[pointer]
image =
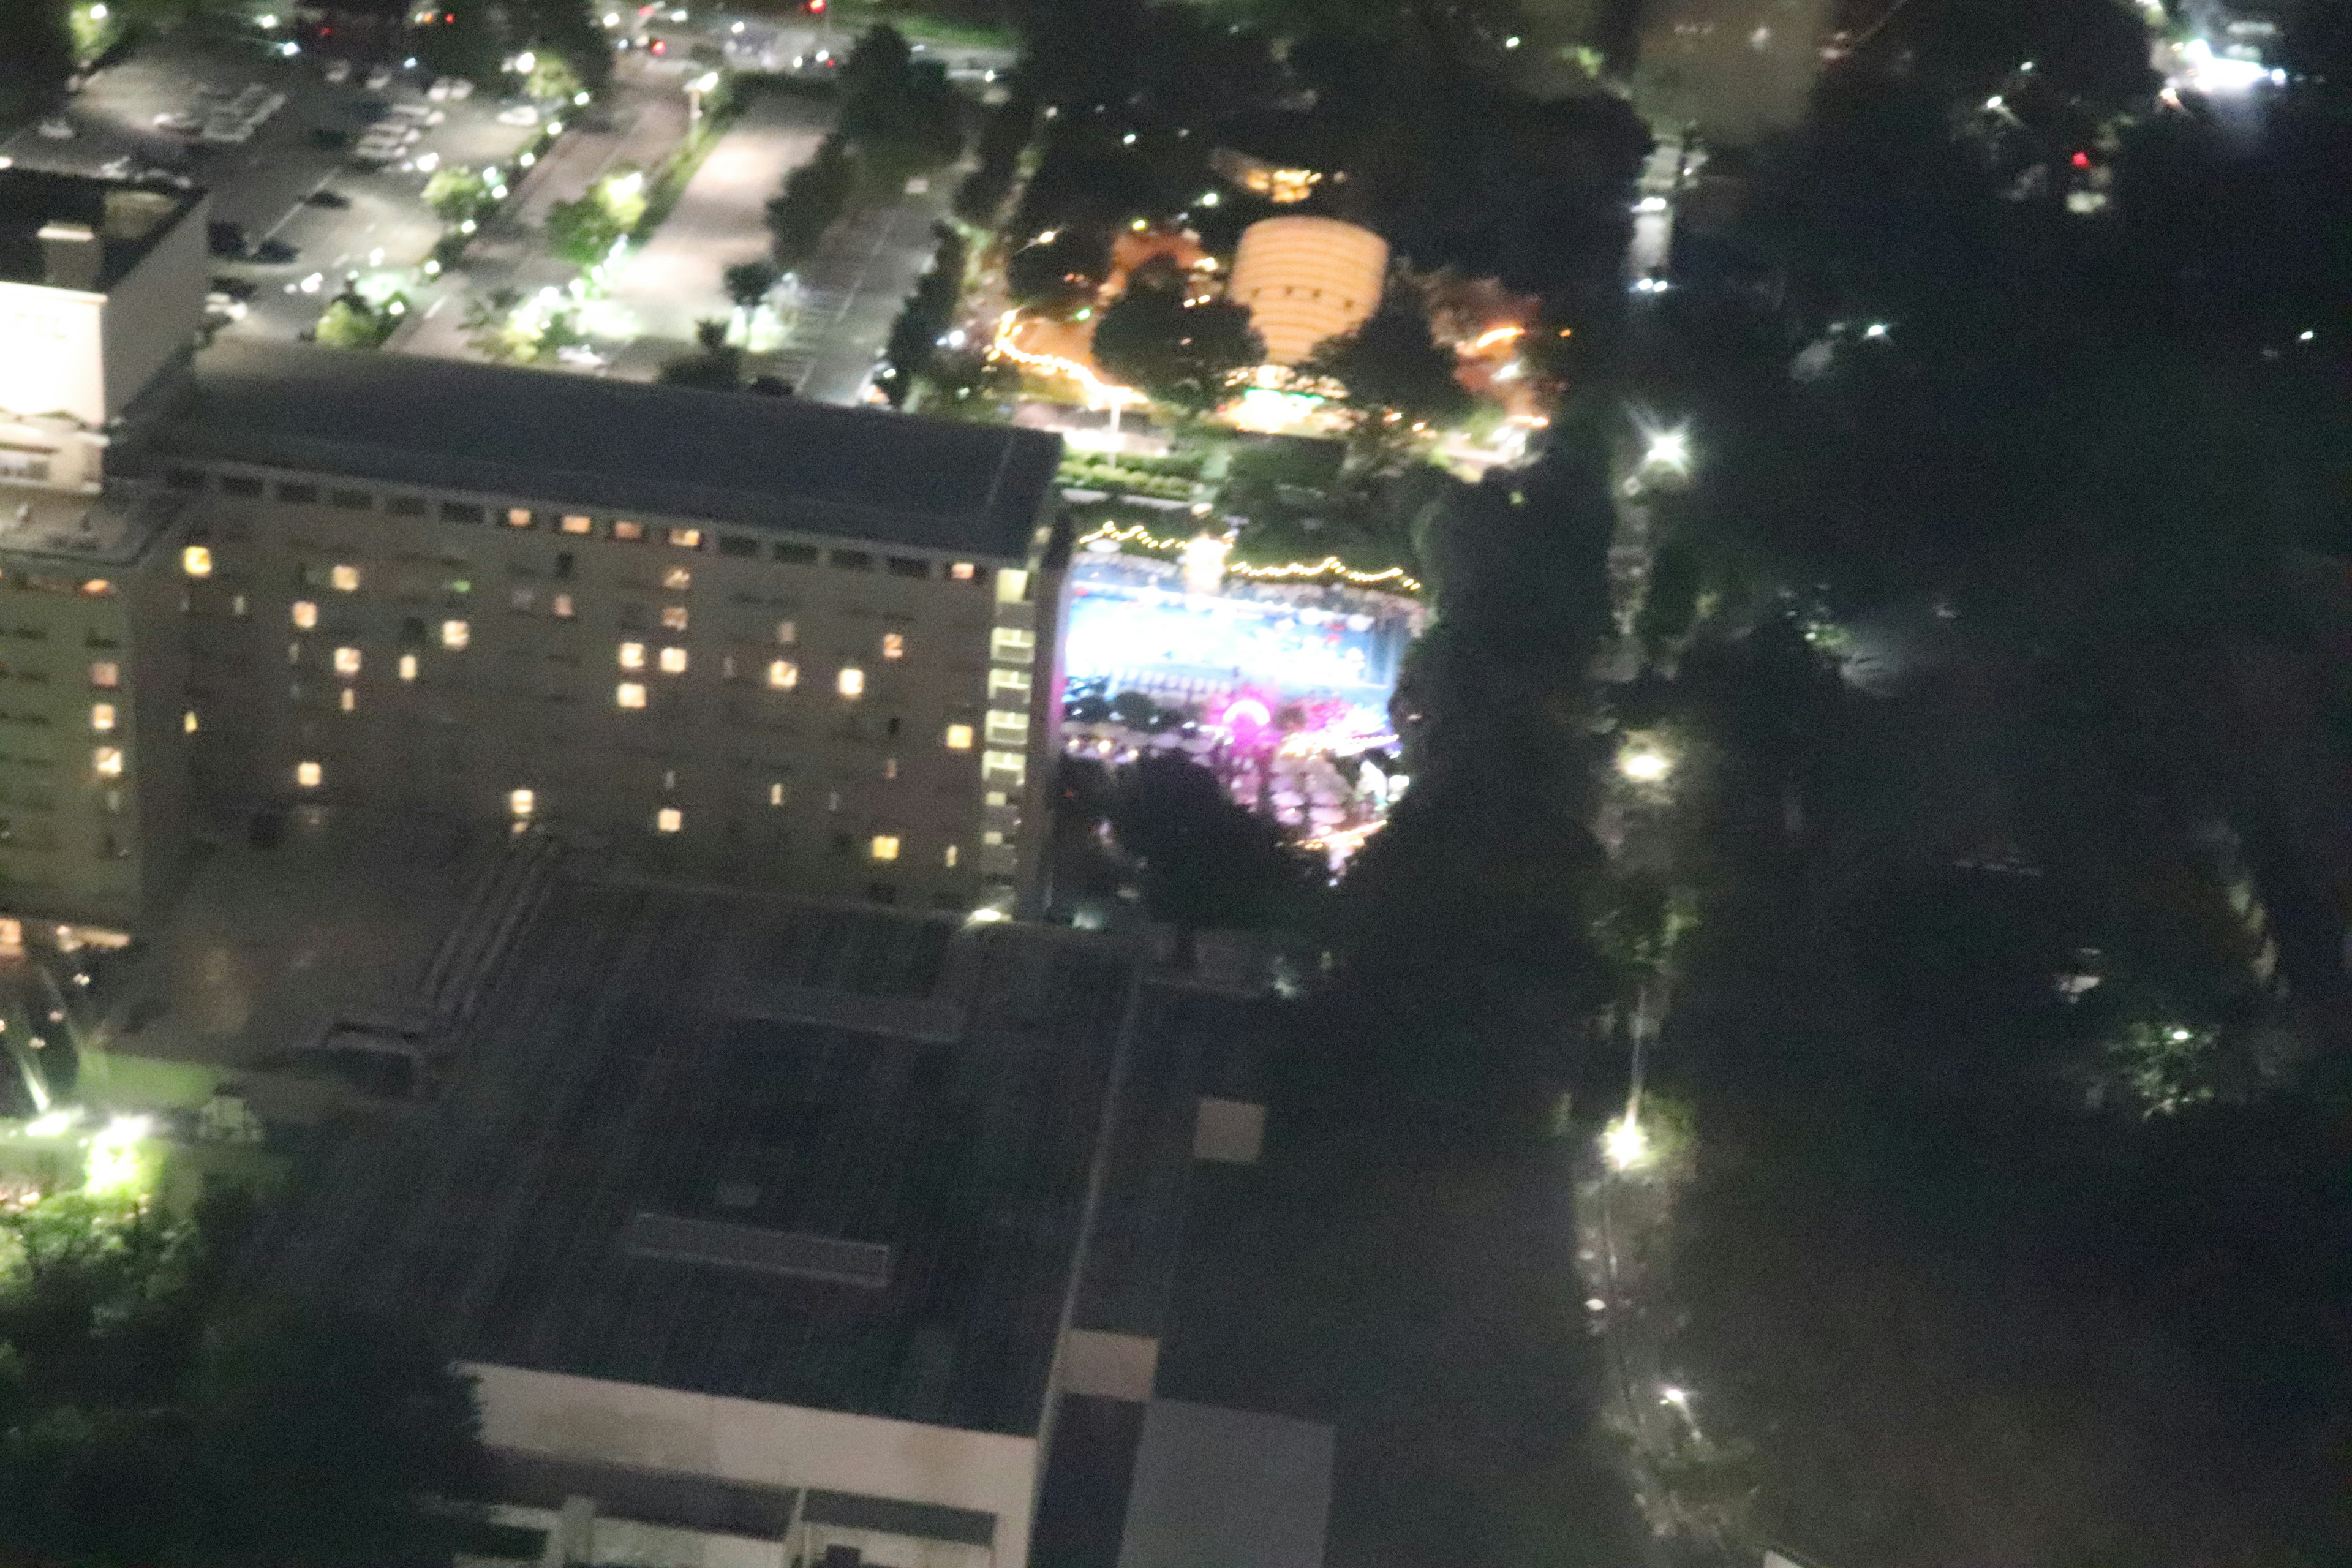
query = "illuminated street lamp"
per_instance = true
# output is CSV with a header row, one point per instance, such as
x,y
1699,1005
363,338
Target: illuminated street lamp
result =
x,y
1644,764
1625,1144
1668,450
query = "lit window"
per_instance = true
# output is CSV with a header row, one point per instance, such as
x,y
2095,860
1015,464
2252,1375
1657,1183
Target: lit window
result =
x,y
575,523
629,694
560,608
107,760
1013,767
518,517
237,605
294,651
632,656
408,666
629,531
851,681
454,636
348,700
679,579
959,737
520,803
775,794
949,858
98,587
1007,729
784,674
996,797
885,847
787,633
963,571
197,560
308,774
102,718
1014,683
673,661
1012,644
344,579
105,674
669,819
1012,586
306,615
188,721
686,538
347,661
894,644
674,617
890,768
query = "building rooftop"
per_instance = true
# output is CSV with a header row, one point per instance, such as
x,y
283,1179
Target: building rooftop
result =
x,y
624,446
689,1141
110,529
70,231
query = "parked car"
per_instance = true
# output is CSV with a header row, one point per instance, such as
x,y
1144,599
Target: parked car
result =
x,y
379,78
521,114
224,238
334,201
56,129
338,72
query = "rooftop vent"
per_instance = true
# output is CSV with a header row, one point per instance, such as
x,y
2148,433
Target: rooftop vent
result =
x,y
788,1254
70,255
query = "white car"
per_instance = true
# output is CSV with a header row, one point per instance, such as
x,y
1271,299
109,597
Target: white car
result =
x,y
379,78
228,309
521,114
339,70
57,129
460,90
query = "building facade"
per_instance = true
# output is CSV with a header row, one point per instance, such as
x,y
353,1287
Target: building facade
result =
x,y
724,636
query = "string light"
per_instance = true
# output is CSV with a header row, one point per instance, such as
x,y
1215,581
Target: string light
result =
x,y
1329,566
1099,390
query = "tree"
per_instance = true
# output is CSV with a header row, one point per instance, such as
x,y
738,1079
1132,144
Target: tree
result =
x,y
1397,375
715,366
457,192
1005,135
1190,356
1206,861
815,196
1058,273
573,50
353,322
132,1431
902,118
915,335
748,282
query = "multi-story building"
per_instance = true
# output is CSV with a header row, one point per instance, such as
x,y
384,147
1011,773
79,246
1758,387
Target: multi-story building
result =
x,y
726,635
101,285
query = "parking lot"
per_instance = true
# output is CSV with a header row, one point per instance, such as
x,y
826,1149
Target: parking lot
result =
x,y
295,179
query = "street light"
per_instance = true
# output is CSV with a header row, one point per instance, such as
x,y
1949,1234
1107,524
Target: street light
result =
x,y
1644,764
1668,450
1625,1143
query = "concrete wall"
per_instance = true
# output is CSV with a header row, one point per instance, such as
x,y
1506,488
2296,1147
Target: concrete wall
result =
x,y
153,313
766,1445
51,361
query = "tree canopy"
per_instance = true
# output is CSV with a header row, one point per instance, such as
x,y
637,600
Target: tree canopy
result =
x,y
1190,356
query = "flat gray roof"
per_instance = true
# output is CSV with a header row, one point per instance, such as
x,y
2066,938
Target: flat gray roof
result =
x,y
607,1074
125,219
617,447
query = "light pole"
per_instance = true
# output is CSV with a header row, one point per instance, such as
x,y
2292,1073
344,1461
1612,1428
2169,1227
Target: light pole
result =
x,y
706,82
